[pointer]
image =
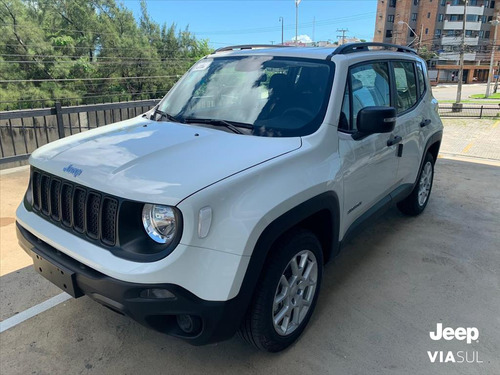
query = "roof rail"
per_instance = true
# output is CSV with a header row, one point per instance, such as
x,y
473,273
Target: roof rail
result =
x,y
363,47
248,46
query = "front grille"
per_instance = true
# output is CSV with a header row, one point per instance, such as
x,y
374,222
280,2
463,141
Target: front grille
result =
x,y
87,212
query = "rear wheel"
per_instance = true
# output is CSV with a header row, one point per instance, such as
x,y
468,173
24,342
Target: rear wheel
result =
x,y
286,293
416,202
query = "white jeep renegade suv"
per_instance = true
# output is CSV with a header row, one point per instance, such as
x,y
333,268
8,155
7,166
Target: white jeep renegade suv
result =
x,y
216,211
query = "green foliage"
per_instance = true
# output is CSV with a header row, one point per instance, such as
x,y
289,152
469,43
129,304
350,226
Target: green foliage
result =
x,y
94,45
424,53
482,96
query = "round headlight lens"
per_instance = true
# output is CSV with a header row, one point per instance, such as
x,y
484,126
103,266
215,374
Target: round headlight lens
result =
x,y
159,222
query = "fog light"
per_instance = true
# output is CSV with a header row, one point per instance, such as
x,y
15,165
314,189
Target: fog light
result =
x,y
157,294
189,323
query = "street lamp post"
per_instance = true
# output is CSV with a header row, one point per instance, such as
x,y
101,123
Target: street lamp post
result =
x,y
282,29
413,31
493,48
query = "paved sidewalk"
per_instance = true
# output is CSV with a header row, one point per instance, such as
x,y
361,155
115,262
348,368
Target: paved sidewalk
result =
x,y
471,138
449,92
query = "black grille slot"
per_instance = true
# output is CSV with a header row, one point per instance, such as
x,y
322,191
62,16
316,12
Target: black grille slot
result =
x,y
45,194
90,213
55,194
109,214
93,208
66,204
37,181
79,210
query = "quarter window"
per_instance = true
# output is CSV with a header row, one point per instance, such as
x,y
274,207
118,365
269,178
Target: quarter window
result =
x,y
406,85
421,80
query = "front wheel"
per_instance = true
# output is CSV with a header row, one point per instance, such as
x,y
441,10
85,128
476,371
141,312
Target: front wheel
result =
x,y
416,202
286,294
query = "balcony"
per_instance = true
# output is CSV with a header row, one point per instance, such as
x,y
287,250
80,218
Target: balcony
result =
x,y
456,40
459,9
455,56
458,25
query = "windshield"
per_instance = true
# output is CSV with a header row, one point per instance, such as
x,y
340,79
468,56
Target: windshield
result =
x,y
265,96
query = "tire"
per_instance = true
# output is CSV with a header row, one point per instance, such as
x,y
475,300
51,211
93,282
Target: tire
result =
x,y
259,327
416,202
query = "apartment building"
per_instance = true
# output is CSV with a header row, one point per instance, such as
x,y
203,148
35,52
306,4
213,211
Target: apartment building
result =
x,y
438,26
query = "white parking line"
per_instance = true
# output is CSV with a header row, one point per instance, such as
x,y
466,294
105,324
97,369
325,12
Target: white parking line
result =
x,y
33,311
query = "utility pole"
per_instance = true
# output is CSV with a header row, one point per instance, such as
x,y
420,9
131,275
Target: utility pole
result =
x,y
314,27
343,31
282,29
297,2
493,49
421,37
272,42
457,106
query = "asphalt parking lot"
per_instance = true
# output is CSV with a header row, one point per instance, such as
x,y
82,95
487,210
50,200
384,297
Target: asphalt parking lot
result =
x,y
380,298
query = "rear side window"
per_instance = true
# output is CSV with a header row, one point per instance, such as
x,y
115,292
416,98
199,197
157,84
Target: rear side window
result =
x,y
421,80
406,85
369,86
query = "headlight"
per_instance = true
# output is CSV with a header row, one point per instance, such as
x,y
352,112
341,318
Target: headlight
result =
x,y
159,222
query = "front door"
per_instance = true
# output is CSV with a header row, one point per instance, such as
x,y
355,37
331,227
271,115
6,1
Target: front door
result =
x,y
369,164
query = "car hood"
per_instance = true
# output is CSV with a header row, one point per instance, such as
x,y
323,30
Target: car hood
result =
x,y
157,162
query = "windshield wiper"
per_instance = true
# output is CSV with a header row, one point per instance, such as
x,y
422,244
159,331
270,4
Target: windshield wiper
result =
x,y
168,116
231,125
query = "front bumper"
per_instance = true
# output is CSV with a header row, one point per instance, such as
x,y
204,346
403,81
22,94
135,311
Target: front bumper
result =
x,y
217,320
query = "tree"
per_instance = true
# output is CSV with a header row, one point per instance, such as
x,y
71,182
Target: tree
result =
x,y
424,53
95,43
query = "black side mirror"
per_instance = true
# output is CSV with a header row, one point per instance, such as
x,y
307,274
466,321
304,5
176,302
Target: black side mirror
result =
x,y
373,120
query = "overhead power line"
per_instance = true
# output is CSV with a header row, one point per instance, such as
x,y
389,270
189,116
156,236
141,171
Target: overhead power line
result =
x,y
162,93
325,22
83,79
98,57
159,62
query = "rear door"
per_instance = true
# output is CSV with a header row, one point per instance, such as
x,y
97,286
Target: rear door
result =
x,y
410,89
369,164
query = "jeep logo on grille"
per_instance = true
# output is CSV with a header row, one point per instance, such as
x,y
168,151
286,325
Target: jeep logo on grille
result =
x,y
72,170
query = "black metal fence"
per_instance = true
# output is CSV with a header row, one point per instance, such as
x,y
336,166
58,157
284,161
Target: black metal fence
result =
x,y
21,132
468,110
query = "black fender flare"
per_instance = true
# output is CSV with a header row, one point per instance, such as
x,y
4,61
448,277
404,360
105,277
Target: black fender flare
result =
x,y
326,201
436,137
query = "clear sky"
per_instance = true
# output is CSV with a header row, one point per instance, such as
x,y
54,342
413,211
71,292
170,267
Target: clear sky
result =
x,y
226,22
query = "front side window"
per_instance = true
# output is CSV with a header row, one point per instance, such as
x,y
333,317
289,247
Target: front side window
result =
x,y
369,85
273,97
406,85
